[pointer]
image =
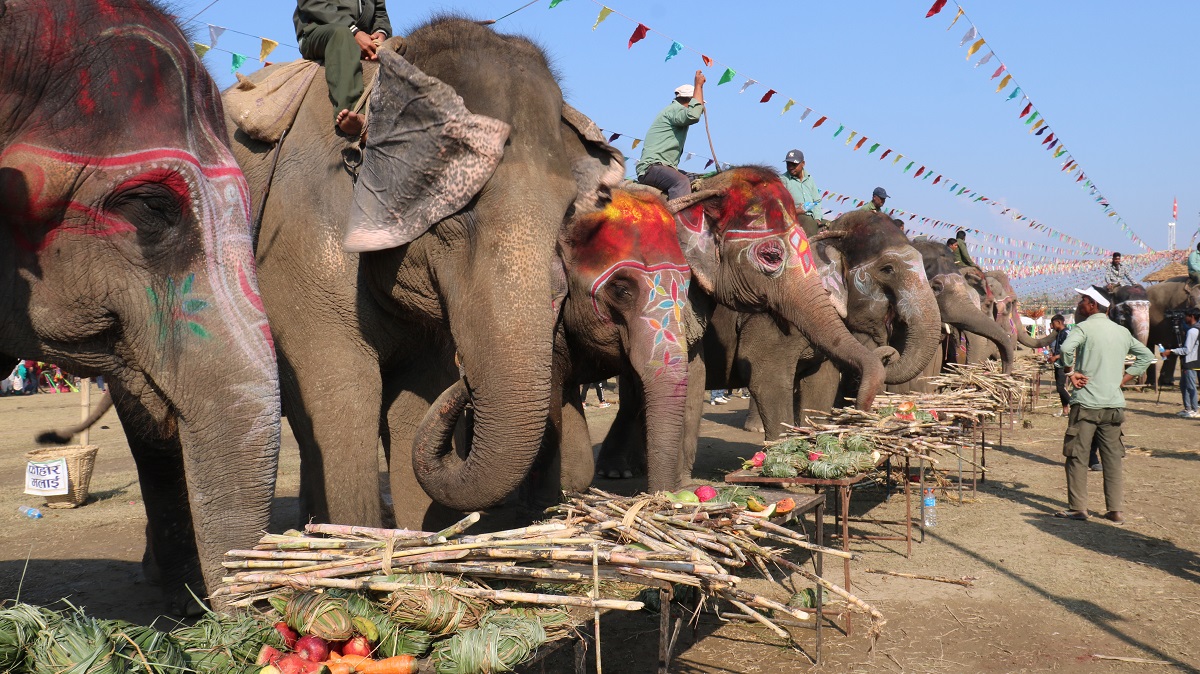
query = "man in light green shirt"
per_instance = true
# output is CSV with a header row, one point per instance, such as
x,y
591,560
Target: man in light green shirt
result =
x,y
1194,266
664,141
803,188
1093,357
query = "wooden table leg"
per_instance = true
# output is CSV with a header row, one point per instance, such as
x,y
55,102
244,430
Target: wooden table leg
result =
x,y
820,515
907,507
844,507
664,631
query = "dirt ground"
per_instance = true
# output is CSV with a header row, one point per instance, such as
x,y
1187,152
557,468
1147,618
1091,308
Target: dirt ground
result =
x,y
1049,594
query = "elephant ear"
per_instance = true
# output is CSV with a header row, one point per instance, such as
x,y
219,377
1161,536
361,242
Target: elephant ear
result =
x,y
597,166
698,236
428,156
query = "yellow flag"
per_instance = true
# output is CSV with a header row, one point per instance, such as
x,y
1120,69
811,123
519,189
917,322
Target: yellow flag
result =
x,y
1036,125
268,46
604,12
960,13
852,135
636,142
787,106
201,49
1004,83
974,48
897,159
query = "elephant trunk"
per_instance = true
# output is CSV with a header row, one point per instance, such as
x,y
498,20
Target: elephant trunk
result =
x,y
1029,342
1139,319
985,327
917,309
503,324
815,317
664,377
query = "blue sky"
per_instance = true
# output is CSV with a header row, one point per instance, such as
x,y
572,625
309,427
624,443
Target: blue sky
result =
x,y
1113,77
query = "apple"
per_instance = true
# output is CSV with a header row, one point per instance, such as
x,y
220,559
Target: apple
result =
x,y
357,646
705,493
313,649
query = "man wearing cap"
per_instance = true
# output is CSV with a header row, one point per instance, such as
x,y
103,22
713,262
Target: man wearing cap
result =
x,y
802,187
1193,266
664,141
1093,358
962,256
878,196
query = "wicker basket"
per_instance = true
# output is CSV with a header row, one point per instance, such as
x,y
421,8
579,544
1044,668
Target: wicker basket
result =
x,y
80,459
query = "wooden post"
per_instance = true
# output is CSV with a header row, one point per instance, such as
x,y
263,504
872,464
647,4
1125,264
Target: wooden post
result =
x,y
85,406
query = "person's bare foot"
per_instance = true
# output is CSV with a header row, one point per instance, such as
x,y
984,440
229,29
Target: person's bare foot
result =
x,y
1114,516
350,123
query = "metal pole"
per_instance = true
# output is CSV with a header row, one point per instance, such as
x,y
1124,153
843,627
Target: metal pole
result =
x,y
85,406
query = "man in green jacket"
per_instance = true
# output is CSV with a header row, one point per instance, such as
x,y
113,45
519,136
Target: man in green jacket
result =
x,y
962,256
341,33
663,146
1093,358
878,196
1193,266
802,187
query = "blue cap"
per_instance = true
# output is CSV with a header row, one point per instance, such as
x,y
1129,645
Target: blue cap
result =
x,y
879,192
794,157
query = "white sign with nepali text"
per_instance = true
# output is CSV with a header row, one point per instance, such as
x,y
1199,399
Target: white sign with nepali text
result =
x,y
46,478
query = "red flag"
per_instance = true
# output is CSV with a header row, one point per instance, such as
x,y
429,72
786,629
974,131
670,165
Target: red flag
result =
x,y
935,180
820,121
1174,208
639,33
1048,139
937,7
707,61
708,163
885,153
919,172
1027,109
860,142
767,96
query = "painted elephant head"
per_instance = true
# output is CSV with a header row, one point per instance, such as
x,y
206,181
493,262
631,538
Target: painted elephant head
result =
x,y
628,285
877,279
740,237
125,245
1006,308
1131,308
492,150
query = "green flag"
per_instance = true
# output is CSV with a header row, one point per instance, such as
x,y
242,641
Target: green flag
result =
x,y
910,165
1031,118
238,60
873,148
728,76
841,127
554,3
674,50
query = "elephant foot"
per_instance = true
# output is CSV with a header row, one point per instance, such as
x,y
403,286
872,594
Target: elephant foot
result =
x,y
182,604
614,468
150,569
753,423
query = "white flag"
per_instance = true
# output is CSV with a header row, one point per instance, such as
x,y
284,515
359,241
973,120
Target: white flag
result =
x,y
984,60
747,85
969,36
214,32
806,113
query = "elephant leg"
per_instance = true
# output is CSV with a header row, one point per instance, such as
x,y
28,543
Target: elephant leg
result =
x,y
577,464
754,421
171,558
772,389
693,413
332,394
819,389
411,392
625,445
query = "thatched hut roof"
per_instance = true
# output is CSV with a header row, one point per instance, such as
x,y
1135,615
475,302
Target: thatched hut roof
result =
x,y
1167,273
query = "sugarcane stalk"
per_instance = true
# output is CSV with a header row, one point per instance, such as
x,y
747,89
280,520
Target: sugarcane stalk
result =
x,y
266,564
782,633
917,576
369,532
284,554
764,602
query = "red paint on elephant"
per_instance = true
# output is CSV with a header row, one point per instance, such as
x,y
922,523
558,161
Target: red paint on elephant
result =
x,y
633,226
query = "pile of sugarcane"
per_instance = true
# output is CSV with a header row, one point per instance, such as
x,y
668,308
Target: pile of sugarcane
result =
x,y
917,426
593,541
985,386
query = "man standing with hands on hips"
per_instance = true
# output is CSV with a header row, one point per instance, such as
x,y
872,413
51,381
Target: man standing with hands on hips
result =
x,y
1093,357
341,33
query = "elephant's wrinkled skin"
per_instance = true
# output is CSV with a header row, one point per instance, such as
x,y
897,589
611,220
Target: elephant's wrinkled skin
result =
x,y
1173,295
368,341
125,251
877,282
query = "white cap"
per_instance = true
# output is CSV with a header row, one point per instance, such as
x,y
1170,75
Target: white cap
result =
x,y
1095,295
684,91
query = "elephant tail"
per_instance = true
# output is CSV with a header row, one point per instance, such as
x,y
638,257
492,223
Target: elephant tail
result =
x,y
62,436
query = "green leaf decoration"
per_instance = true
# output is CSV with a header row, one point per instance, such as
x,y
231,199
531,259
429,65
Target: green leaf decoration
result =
x,y
194,306
187,284
198,330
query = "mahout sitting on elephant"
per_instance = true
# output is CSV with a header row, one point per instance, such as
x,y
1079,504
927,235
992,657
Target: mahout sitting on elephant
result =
x,y
124,253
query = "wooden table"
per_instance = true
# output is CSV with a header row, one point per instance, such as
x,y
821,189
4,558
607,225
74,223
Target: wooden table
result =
x,y
843,487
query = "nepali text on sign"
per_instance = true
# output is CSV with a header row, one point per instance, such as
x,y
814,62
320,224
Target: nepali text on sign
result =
x,y
46,478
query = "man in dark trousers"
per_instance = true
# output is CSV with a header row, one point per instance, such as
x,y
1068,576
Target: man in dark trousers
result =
x,y
663,146
1059,325
1093,357
341,33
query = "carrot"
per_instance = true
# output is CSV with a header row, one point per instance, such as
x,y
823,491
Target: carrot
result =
x,y
338,667
356,662
400,664
335,656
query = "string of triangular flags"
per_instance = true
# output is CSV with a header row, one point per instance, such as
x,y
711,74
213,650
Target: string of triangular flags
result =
x,y
859,141
266,45
1032,116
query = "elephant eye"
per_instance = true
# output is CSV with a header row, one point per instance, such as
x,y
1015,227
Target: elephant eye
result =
x,y
888,269
149,207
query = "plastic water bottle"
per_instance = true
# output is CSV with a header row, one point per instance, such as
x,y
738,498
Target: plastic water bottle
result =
x,y
930,507
31,513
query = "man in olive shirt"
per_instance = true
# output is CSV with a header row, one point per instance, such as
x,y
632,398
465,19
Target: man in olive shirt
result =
x,y
341,33
802,187
962,256
878,196
1093,358
664,141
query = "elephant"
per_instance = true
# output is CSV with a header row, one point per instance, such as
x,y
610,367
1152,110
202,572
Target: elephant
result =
x,y
1001,301
125,252
1131,308
1173,296
877,283
438,260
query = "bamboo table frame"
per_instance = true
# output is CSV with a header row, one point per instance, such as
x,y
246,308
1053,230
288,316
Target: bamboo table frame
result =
x,y
843,487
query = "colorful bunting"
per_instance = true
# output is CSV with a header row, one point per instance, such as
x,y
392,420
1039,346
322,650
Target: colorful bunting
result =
x,y
604,14
767,96
850,138
673,51
873,148
267,47
636,142
1014,93
937,7
860,143
707,61
237,62
987,57
1004,83
787,106
639,34
727,77
841,127
998,71
804,115
200,49
214,32
747,85
819,121
974,48
956,16
554,3
885,153
1028,107
970,35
